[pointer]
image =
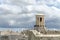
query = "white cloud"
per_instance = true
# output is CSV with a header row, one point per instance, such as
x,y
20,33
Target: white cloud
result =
x,y
11,8
11,22
22,12
29,7
58,0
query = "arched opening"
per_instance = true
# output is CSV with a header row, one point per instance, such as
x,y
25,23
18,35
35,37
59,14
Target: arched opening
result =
x,y
40,19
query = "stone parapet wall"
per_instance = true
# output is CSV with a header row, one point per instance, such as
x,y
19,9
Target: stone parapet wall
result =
x,y
46,38
34,35
53,32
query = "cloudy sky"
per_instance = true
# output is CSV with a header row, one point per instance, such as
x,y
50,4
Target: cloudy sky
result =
x,y
21,13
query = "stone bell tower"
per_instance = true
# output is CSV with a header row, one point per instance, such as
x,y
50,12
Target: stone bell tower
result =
x,y
40,23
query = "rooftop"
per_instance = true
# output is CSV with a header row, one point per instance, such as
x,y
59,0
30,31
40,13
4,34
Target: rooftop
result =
x,y
37,34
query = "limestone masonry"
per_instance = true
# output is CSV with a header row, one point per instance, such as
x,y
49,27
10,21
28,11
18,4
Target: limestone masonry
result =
x,y
40,25
40,32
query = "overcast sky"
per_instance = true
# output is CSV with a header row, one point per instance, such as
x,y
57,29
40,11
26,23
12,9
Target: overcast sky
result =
x,y
21,13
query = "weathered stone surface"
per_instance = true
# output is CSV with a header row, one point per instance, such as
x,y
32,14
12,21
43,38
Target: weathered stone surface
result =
x,y
35,35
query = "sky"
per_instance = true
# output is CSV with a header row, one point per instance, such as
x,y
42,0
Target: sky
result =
x,y
21,13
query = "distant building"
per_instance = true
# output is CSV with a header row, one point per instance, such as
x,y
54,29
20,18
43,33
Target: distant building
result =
x,y
11,35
